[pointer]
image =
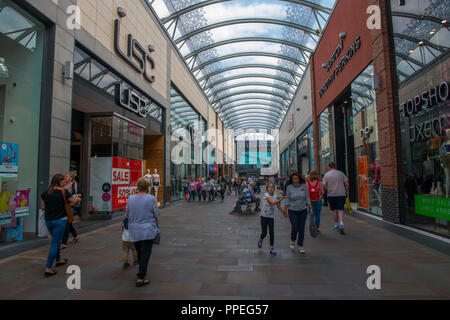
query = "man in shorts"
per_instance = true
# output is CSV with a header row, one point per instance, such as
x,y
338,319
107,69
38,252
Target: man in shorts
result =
x,y
336,184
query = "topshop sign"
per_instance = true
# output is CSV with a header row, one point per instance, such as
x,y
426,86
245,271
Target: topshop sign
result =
x,y
430,128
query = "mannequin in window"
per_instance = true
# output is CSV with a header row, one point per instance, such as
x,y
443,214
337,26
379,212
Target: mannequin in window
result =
x,y
149,178
445,161
156,182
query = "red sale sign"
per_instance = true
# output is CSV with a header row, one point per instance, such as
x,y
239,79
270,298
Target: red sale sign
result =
x,y
125,174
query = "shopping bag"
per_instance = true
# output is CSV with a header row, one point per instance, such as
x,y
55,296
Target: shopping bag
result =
x,y
187,196
42,226
348,206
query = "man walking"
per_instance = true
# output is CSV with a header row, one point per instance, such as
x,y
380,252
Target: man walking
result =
x,y
336,184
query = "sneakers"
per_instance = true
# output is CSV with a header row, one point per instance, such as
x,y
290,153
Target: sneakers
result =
x,y
335,228
273,252
301,250
292,246
260,243
341,230
126,265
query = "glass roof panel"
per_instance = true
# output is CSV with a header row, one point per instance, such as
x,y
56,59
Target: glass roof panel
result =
x,y
421,34
248,42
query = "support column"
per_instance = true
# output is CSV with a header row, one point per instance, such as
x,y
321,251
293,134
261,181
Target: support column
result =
x,y
389,135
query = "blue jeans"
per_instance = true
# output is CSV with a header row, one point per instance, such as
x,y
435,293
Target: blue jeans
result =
x,y
56,228
317,209
192,195
298,222
239,204
211,195
199,193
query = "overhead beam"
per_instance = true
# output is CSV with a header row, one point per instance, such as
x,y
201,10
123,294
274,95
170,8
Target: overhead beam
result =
x,y
282,96
250,75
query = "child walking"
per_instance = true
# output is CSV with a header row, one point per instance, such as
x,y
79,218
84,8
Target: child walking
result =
x,y
267,216
127,246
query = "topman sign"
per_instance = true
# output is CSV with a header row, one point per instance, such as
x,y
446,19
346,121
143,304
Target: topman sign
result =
x,y
136,56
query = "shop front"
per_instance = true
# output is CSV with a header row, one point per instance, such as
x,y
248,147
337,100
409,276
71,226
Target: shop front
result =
x,y
422,65
22,41
116,137
187,130
305,152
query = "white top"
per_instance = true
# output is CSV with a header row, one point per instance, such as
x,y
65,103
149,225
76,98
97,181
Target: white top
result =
x,y
125,235
268,210
149,178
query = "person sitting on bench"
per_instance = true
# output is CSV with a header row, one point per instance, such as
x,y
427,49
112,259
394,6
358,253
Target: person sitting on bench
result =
x,y
244,199
254,198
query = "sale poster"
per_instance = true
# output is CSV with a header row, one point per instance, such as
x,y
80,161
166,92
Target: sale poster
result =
x,y
9,160
363,183
22,203
125,174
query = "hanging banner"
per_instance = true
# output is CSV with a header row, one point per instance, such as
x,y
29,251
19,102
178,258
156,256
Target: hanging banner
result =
x,y
9,157
363,183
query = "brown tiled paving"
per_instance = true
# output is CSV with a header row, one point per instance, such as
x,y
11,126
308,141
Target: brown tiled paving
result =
x,y
208,254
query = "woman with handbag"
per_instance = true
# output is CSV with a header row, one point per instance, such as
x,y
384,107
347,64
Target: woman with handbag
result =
x,y
143,230
72,187
56,202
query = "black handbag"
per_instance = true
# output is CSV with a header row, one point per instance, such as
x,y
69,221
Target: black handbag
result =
x,y
313,227
157,239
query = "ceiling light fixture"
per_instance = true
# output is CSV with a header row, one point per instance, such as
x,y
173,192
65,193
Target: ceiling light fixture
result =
x,y
3,69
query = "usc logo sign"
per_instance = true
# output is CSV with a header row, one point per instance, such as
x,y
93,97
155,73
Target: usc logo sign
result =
x,y
135,51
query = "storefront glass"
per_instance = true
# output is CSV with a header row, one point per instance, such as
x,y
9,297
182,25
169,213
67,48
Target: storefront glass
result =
x,y
187,129
292,158
21,61
312,165
364,128
422,47
326,143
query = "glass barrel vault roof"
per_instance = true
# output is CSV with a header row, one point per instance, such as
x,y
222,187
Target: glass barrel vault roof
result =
x,y
247,55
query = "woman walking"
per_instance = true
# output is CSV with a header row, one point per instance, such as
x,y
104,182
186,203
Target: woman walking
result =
x,y
267,216
142,209
297,202
72,187
316,190
53,201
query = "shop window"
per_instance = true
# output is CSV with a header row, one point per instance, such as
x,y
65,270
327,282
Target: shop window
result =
x,y
365,136
21,61
326,143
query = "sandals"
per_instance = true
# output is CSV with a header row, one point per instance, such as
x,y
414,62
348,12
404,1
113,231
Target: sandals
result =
x,y
142,283
59,264
49,274
75,240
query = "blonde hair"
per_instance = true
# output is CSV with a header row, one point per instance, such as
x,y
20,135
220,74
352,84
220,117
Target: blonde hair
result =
x,y
314,175
142,185
71,174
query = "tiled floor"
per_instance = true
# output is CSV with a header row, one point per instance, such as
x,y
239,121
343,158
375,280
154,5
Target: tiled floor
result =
x,y
208,254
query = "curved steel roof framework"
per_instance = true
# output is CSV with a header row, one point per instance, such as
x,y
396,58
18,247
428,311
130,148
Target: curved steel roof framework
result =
x,y
249,67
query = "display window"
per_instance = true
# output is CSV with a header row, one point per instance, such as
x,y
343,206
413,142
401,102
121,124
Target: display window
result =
x,y
363,126
188,145
422,42
326,143
22,41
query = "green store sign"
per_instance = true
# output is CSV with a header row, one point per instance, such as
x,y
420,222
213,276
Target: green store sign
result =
x,y
432,206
